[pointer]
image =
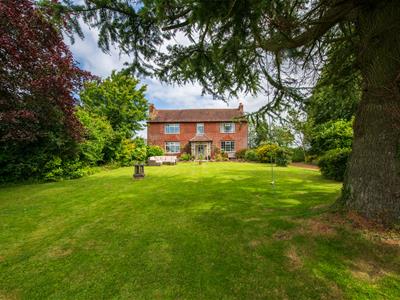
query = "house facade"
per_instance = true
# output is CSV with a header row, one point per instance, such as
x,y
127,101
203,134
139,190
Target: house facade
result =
x,y
200,132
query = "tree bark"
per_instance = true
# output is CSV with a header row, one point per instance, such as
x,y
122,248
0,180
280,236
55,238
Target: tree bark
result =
x,y
372,181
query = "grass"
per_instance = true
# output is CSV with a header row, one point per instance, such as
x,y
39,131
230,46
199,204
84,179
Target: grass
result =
x,y
210,231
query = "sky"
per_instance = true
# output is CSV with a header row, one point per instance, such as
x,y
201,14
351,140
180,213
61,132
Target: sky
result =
x,y
163,96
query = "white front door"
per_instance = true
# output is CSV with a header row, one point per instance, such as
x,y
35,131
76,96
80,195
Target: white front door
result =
x,y
200,151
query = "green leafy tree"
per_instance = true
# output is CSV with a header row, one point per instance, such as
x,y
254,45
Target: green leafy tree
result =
x,y
258,131
332,135
98,134
271,47
302,131
119,99
281,135
262,132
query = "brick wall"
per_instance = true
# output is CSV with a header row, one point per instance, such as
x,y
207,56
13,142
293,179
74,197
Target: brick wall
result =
x,y
156,135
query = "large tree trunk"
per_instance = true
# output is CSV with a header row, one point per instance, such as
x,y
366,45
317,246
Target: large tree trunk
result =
x,y
372,182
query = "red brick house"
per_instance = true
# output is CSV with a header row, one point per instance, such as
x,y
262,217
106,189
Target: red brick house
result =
x,y
197,131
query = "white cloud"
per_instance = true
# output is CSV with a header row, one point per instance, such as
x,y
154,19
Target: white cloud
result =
x,y
165,96
90,56
189,96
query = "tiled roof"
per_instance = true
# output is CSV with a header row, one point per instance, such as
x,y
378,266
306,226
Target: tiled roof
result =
x,y
195,115
200,138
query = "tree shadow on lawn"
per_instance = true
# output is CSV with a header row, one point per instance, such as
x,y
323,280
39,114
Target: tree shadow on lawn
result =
x,y
282,234
260,240
246,192
177,234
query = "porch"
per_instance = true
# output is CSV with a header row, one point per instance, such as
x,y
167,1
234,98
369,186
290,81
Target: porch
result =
x,y
200,147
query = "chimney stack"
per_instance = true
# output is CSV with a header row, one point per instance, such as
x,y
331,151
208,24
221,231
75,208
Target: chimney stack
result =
x,y
241,107
152,110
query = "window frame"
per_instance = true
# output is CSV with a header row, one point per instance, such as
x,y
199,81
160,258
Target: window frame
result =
x,y
172,124
231,147
178,144
222,127
197,128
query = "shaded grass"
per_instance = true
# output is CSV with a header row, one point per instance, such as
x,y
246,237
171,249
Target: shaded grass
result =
x,y
210,231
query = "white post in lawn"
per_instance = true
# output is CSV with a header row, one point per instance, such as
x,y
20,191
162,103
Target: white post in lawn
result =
x,y
272,173
272,161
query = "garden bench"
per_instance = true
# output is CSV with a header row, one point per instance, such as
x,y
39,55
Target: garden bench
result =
x,y
160,160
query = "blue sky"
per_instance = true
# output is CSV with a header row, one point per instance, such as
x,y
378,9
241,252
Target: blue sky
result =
x,y
164,96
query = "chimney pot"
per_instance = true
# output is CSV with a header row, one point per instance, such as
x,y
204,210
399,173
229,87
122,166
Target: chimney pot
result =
x,y
241,107
152,108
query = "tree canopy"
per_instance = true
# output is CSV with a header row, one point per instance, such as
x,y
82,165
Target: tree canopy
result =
x,y
337,93
38,81
119,99
230,46
38,76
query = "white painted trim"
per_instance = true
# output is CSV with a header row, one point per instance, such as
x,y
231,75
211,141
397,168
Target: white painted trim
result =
x,y
165,147
165,128
222,127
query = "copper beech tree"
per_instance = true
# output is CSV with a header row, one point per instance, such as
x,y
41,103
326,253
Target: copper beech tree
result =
x,y
38,78
275,47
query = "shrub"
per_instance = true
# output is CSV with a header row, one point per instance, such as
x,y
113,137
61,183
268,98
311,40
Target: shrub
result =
x,y
332,135
53,170
131,151
333,163
251,155
298,155
240,154
282,157
139,153
74,169
124,153
221,156
266,153
185,157
311,159
154,151
272,153
57,169
98,134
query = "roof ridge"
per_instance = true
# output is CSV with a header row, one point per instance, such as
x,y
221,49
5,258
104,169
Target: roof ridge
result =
x,y
195,115
169,109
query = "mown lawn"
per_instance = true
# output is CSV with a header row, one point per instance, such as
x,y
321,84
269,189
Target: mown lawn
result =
x,y
211,231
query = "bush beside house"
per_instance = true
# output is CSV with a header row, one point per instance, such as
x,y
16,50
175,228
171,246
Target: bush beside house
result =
x,y
185,157
267,153
251,155
154,151
240,154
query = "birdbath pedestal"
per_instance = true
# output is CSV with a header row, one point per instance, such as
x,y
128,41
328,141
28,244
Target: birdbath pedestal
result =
x,y
138,171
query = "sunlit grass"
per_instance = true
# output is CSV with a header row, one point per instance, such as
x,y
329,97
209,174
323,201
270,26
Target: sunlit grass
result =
x,y
210,231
